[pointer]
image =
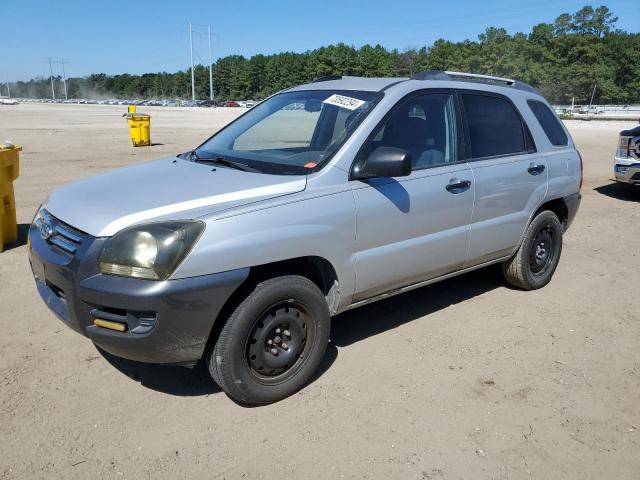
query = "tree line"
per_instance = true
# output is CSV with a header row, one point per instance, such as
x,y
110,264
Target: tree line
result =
x,y
563,59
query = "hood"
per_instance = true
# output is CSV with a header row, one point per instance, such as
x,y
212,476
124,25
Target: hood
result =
x,y
165,189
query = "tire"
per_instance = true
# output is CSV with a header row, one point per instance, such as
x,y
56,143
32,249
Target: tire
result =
x,y
273,342
536,260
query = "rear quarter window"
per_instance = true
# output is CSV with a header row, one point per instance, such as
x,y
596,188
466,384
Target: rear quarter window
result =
x,y
549,123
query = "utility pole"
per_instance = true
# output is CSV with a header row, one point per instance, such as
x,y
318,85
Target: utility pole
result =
x,y
591,102
8,90
64,79
193,78
53,92
210,68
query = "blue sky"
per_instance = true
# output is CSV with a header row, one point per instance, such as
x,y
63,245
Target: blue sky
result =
x,y
116,36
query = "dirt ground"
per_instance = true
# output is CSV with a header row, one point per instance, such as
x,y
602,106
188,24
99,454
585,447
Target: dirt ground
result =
x,y
466,379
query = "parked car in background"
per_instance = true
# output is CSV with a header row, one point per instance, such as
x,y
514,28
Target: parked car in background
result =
x,y
231,103
586,109
626,164
240,251
8,101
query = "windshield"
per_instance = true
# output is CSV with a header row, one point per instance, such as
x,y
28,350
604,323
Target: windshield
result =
x,y
290,133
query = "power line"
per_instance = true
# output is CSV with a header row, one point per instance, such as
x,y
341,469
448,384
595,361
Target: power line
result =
x,y
210,68
193,81
193,78
64,78
53,91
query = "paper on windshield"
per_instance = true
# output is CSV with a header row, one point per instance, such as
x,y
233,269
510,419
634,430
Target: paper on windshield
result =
x,y
349,103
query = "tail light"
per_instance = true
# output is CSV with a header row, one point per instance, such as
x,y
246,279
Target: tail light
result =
x,y
581,170
623,147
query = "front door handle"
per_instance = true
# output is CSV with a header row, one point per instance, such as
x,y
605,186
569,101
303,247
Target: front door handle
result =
x,y
456,186
535,169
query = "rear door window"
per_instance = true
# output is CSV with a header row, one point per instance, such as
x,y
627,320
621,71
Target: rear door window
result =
x,y
549,123
495,128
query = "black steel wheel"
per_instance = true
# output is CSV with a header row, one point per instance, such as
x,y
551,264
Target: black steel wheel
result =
x,y
277,344
273,342
542,251
536,260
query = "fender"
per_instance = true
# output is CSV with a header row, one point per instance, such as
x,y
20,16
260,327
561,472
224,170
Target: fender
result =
x,y
321,226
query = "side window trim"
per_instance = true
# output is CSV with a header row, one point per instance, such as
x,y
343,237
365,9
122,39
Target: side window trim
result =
x,y
528,138
460,141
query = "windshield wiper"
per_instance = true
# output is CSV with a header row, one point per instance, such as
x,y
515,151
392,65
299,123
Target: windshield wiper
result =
x,y
220,160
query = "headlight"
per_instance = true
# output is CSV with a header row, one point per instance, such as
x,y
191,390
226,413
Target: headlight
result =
x,y
623,147
150,251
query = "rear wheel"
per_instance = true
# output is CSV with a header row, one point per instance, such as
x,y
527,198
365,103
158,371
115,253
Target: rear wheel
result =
x,y
536,260
273,342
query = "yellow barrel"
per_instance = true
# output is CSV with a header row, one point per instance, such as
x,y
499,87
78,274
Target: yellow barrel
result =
x,y
139,127
9,165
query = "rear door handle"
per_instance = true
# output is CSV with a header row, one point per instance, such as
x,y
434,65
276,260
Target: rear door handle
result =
x,y
456,186
535,169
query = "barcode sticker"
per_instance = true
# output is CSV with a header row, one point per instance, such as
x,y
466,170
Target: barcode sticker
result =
x,y
344,102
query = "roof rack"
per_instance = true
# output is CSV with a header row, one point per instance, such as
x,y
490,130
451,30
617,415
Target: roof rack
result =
x,y
477,76
472,77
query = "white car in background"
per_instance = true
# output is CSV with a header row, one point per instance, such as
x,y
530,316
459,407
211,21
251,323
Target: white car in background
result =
x,y
8,101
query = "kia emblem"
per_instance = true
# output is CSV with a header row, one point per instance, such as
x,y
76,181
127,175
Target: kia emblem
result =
x,y
46,229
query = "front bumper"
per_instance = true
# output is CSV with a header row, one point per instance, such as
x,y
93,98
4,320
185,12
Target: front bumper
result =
x,y
165,321
627,170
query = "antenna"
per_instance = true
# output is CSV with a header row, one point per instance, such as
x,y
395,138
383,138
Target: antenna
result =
x,y
193,79
210,68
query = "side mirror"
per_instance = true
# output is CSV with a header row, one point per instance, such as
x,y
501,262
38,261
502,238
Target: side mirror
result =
x,y
384,162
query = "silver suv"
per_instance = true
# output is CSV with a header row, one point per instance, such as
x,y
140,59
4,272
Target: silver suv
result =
x,y
322,198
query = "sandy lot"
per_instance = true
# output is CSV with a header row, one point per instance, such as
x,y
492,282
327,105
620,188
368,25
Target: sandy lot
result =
x,y
463,379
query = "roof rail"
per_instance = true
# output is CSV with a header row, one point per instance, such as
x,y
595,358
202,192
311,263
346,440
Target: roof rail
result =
x,y
327,78
477,76
472,77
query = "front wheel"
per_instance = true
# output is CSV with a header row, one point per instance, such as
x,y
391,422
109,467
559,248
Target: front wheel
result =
x,y
273,342
536,260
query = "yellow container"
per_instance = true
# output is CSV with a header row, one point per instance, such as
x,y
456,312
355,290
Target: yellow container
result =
x,y
139,127
9,170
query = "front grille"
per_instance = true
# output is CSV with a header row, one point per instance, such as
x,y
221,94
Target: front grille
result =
x,y
64,236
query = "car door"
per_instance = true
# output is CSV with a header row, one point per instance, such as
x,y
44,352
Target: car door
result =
x,y
413,228
510,176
